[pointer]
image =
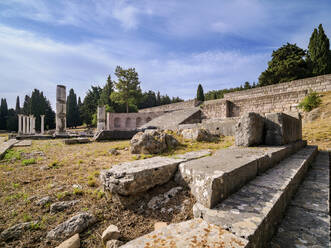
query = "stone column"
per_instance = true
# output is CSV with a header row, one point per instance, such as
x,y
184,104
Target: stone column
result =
x,y
42,124
31,124
61,111
108,122
101,118
27,124
19,123
24,126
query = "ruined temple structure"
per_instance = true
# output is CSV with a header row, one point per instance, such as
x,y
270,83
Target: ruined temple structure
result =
x,y
218,116
27,124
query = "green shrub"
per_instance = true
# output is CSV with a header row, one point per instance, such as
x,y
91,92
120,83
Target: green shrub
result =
x,y
29,161
311,101
12,154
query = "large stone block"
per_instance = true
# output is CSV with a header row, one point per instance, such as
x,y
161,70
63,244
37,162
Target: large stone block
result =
x,y
282,129
135,177
249,130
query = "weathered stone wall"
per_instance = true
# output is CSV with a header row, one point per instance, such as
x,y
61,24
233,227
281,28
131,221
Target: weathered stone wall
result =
x,y
318,84
215,109
172,107
282,102
129,121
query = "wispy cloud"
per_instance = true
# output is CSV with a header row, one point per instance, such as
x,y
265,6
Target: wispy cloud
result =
x,y
173,44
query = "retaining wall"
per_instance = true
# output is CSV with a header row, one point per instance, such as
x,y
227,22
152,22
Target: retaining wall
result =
x,y
318,84
171,107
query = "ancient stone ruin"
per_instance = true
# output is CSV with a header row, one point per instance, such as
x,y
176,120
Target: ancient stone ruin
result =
x,y
61,110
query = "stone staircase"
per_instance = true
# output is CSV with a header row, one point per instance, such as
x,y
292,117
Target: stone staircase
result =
x,y
173,119
242,195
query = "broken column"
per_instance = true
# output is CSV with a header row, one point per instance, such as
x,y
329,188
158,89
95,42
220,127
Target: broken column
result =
x,y
281,129
61,101
249,130
42,124
101,118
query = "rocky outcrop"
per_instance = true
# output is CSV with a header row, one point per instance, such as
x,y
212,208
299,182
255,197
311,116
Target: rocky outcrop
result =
x,y
152,142
75,224
60,206
16,231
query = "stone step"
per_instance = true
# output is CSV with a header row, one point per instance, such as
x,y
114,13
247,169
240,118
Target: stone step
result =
x,y
307,219
192,233
254,211
214,178
173,119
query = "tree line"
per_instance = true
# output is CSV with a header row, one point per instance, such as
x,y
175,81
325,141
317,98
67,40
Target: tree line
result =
x,y
36,104
290,62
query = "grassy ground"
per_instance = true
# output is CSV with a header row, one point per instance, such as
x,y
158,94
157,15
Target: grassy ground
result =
x,y
318,132
51,168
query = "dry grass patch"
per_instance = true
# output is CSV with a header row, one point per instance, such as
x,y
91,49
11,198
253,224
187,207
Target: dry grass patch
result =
x,y
318,132
66,172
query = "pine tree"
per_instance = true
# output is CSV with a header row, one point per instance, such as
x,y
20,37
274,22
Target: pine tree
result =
x,y
200,95
18,108
128,87
288,63
319,52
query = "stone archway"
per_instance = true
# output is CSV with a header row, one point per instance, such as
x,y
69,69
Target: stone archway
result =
x,y
117,122
138,122
127,122
148,119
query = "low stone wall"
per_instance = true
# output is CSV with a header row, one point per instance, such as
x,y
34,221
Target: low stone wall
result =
x,y
171,107
129,121
318,84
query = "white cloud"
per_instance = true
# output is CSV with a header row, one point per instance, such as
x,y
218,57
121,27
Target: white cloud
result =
x,y
32,61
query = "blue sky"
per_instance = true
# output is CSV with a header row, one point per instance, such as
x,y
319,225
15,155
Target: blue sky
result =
x,y
173,44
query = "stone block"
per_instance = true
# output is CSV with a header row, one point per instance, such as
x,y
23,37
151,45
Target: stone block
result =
x,y
192,233
249,130
73,141
135,177
282,129
73,242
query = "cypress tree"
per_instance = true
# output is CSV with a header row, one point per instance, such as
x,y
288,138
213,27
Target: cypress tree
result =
x,y
200,94
18,108
319,52
3,114
72,109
